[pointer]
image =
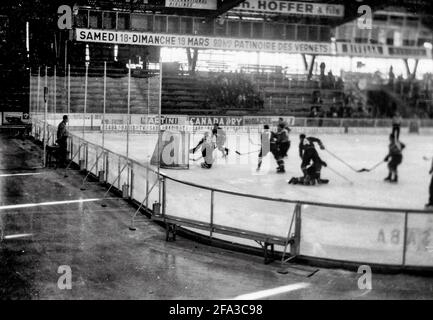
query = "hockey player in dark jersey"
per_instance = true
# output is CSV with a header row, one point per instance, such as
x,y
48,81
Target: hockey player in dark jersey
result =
x,y
307,150
312,172
283,145
285,125
394,158
268,142
311,164
221,139
207,144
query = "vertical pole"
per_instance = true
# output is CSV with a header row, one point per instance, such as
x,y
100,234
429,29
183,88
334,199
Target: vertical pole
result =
x,y
297,237
55,93
147,187
164,193
30,94
39,91
69,90
148,97
104,105
128,120
85,96
66,64
46,94
159,119
211,213
118,173
405,239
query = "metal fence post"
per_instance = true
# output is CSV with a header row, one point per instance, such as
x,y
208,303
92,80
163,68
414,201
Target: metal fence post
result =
x,y
164,196
131,184
118,173
405,238
212,194
147,187
296,248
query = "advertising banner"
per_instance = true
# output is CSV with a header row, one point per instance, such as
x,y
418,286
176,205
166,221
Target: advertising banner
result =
x,y
192,4
382,51
201,42
222,121
14,118
165,120
272,121
292,8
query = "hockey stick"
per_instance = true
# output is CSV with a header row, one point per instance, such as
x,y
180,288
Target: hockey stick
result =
x,y
372,168
340,175
341,160
245,153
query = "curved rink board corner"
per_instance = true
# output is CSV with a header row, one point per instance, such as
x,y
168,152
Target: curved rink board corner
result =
x,y
354,235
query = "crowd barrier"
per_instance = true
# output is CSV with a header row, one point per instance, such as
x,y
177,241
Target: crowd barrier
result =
x,y
397,238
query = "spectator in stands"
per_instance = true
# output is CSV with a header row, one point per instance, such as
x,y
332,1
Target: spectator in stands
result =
x,y
339,84
322,72
391,77
396,124
62,141
331,80
313,112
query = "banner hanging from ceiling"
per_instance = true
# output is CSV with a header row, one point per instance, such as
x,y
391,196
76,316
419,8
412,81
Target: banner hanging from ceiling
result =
x,y
192,4
201,42
291,8
382,51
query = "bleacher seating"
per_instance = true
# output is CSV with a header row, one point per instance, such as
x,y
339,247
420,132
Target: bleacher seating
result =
x,y
268,94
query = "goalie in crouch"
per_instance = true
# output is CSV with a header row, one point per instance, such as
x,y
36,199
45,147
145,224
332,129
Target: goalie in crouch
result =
x,y
208,145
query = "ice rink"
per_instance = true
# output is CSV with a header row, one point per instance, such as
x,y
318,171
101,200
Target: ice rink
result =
x,y
373,236
237,173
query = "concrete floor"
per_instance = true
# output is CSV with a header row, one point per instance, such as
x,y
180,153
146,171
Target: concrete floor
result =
x,y
108,261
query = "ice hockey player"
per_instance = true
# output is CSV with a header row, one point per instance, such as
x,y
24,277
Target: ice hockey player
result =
x,y
312,172
396,124
221,139
283,145
429,205
208,145
268,140
395,158
307,149
284,123
311,162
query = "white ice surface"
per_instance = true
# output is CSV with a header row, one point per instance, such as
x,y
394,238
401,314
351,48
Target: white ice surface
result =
x,y
360,151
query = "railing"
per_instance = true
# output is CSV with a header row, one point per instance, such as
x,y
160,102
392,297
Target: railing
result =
x,y
373,235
